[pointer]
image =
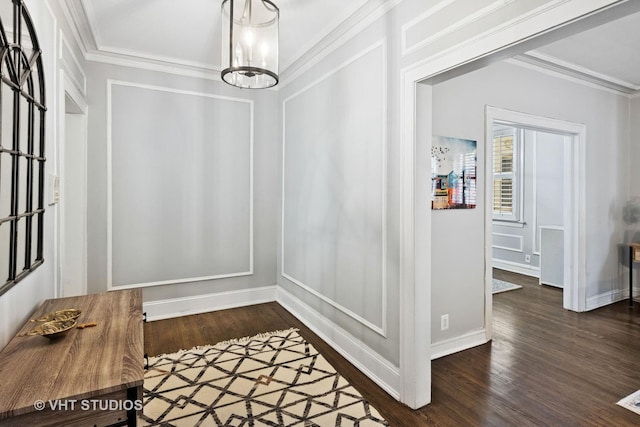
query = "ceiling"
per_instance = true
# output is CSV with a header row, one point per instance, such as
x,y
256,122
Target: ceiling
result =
x,y
186,33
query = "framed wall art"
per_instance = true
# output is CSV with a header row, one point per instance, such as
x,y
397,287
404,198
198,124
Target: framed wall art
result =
x,y
453,173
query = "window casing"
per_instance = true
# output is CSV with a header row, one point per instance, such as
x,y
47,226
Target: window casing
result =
x,y
507,173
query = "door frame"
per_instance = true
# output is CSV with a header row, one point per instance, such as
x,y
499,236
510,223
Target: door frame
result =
x,y
574,211
67,89
566,18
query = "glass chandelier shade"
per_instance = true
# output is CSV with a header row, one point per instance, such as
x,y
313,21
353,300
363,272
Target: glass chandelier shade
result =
x,y
250,43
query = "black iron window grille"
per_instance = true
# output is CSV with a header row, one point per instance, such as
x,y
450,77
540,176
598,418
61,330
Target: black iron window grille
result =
x,y
22,148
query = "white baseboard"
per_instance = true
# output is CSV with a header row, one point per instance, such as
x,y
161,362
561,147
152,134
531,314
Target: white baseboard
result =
x,y
516,267
454,345
176,307
374,366
607,298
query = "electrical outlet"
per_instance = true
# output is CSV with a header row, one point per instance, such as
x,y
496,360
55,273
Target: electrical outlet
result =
x,y
444,322
527,259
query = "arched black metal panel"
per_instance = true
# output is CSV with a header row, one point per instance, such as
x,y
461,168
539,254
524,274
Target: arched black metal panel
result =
x,y
22,147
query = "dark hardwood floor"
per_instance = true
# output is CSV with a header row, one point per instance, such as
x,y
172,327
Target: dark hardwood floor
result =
x,y
545,366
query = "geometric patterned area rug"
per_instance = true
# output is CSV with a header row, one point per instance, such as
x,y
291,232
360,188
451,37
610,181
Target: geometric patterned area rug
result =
x,y
502,286
631,402
273,379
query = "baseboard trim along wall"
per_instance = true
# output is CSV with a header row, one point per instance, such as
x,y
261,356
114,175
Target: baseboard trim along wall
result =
x,y
374,366
454,345
176,307
607,298
515,267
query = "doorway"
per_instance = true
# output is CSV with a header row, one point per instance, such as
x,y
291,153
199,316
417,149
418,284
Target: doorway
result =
x,y
73,201
557,225
416,128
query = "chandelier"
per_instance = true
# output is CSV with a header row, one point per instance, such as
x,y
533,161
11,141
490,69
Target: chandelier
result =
x,y
250,43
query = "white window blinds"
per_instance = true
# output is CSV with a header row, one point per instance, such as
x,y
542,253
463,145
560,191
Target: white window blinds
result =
x,y
505,178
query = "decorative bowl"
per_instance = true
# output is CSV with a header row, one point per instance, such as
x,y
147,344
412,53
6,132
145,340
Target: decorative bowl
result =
x,y
66,314
54,328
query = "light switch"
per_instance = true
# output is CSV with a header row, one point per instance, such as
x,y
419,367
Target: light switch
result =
x,y
54,189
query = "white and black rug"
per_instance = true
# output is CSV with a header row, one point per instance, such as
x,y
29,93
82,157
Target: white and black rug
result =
x,y
502,286
274,379
631,402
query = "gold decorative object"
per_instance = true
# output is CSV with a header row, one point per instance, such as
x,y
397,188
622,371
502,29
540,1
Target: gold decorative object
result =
x,y
66,314
54,328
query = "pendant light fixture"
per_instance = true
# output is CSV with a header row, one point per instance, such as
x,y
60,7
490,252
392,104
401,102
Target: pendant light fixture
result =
x,y
250,43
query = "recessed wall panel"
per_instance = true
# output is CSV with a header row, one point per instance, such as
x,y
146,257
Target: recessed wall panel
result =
x,y
181,190
334,187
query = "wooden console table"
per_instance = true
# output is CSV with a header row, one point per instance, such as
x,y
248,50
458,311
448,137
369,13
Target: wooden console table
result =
x,y
634,256
90,377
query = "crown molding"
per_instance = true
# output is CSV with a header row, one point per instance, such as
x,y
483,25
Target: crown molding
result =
x,y
355,23
557,65
154,65
330,38
76,16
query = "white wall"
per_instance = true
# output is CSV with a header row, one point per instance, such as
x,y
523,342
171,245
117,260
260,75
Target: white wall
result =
x,y
337,221
459,110
19,302
632,232
314,262
634,158
192,207
413,31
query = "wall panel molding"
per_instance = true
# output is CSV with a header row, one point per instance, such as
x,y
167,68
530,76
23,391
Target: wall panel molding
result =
x,y
382,328
110,174
448,29
503,238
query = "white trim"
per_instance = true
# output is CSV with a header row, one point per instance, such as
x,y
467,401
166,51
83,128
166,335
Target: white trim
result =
x,y
70,12
412,23
555,64
534,190
505,223
113,287
86,8
515,267
185,306
110,286
201,73
341,25
380,329
415,233
68,87
371,12
415,244
574,184
66,60
142,57
372,364
514,236
164,67
468,20
531,64
607,298
459,343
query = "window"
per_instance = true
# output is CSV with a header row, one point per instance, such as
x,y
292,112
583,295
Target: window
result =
x,y
507,167
22,149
